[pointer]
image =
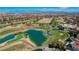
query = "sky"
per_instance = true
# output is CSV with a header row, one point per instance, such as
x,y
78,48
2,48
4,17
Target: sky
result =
x,y
67,10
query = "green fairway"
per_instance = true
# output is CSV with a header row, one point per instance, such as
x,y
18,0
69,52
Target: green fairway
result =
x,y
56,23
15,47
58,36
43,27
6,32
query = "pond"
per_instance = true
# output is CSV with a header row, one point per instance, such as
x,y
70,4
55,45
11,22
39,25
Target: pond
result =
x,y
36,36
9,37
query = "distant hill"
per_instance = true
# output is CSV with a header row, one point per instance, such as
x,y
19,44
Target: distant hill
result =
x,y
50,10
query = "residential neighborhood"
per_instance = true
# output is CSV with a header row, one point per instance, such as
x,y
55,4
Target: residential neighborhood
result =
x,y
39,32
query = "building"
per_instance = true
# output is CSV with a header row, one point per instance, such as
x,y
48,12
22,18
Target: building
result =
x,y
69,26
75,45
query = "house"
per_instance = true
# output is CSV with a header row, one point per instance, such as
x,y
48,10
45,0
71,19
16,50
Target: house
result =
x,y
78,36
76,45
77,28
69,26
60,19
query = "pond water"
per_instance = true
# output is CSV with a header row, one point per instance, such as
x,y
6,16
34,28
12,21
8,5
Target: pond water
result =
x,y
36,36
11,36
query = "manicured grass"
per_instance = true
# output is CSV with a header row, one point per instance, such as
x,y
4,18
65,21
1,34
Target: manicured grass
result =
x,y
6,32
58,36
15,47
43,27
56,23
